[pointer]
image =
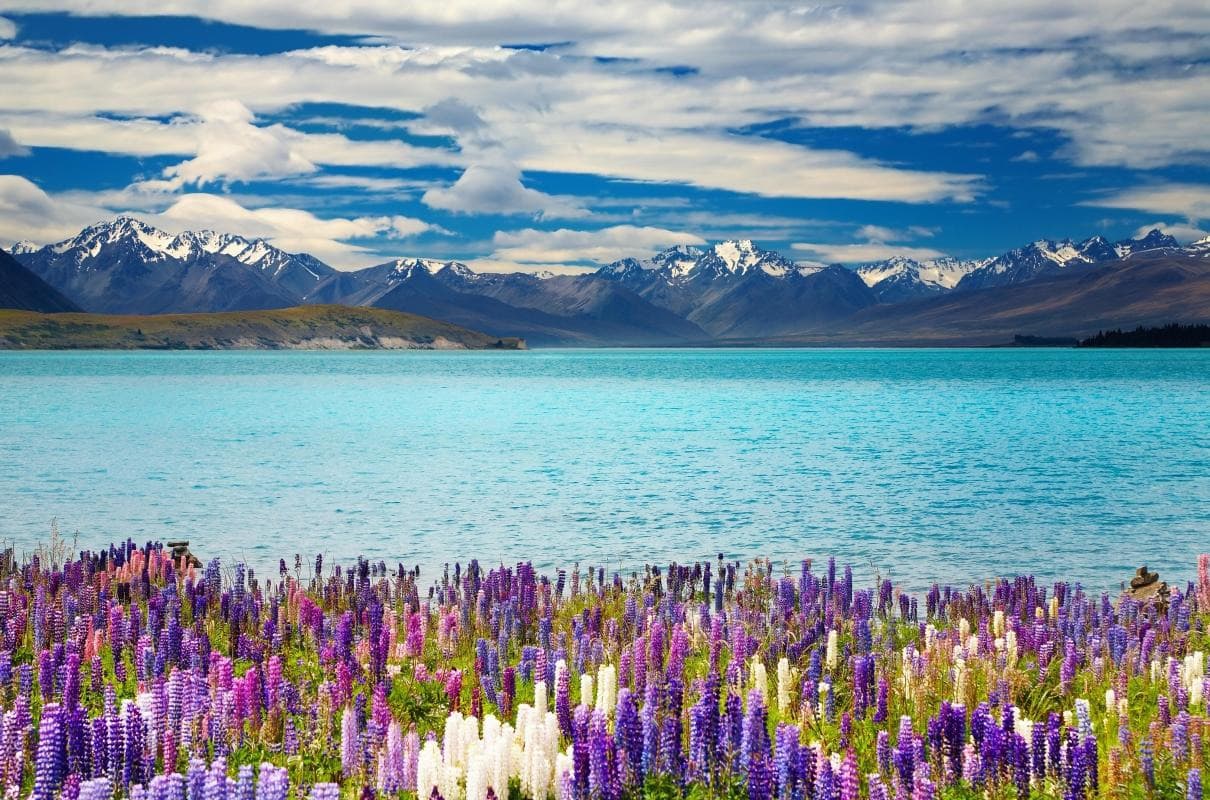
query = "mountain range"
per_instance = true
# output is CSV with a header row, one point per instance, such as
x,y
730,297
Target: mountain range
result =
x,y
730,291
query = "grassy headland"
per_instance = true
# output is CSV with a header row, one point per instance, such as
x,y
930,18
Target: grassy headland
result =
x,y
299,328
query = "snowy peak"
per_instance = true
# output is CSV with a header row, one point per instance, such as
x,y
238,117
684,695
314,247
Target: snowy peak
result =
x,y
902,278
129,238
729,259
403,268
743,256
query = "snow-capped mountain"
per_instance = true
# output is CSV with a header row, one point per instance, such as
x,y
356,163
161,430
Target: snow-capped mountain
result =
x,y
730,290
737,289
1200,248
128,266
1045,256
732,258
902,278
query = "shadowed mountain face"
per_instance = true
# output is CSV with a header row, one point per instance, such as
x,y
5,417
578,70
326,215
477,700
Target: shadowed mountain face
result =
x,y
1144,290
22,289
568,310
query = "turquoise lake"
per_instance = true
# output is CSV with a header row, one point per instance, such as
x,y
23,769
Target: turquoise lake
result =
x,y
950,465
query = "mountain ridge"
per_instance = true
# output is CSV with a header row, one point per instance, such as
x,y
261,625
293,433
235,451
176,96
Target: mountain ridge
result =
x,y
692,294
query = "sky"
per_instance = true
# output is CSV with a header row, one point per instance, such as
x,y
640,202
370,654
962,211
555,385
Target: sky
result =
x,y
558,134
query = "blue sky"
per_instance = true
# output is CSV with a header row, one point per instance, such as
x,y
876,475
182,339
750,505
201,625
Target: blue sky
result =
x,y
554,135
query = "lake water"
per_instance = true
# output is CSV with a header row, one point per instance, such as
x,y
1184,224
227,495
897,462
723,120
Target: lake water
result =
x,y
954,465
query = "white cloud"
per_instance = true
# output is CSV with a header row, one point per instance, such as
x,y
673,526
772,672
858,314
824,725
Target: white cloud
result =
x,y
1188,200
727,161
1182,231
542,112
291,229
1121,80
497,265
10,146
8,28
496,188
230,149
566,246
28,212
858,252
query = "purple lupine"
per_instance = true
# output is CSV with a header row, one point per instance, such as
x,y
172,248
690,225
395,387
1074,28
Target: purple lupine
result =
x,y
849,781
755,738
904,756
1193,785
759,782
785,760
1147,761
628,735
48,763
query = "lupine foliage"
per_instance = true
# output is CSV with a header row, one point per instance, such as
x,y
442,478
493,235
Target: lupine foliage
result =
x,y
124,674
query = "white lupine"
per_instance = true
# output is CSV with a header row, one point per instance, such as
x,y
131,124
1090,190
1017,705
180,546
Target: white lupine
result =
x,y
1193,675
476,773
959,675
451,782
906,673
1111,701
824,688
586,690
428,769
964,629
1023,726
784,682
1155,670
1122,706
607,688
540,696
972,644
833,654
1054,608
760,678
500,765
1010,648
998,622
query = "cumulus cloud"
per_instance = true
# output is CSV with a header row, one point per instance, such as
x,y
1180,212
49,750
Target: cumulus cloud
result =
x,y
8,28
496,188
567,246
1189,200
231,149
10,146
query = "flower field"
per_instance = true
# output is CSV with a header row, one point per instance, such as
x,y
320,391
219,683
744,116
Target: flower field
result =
x,y
126,674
